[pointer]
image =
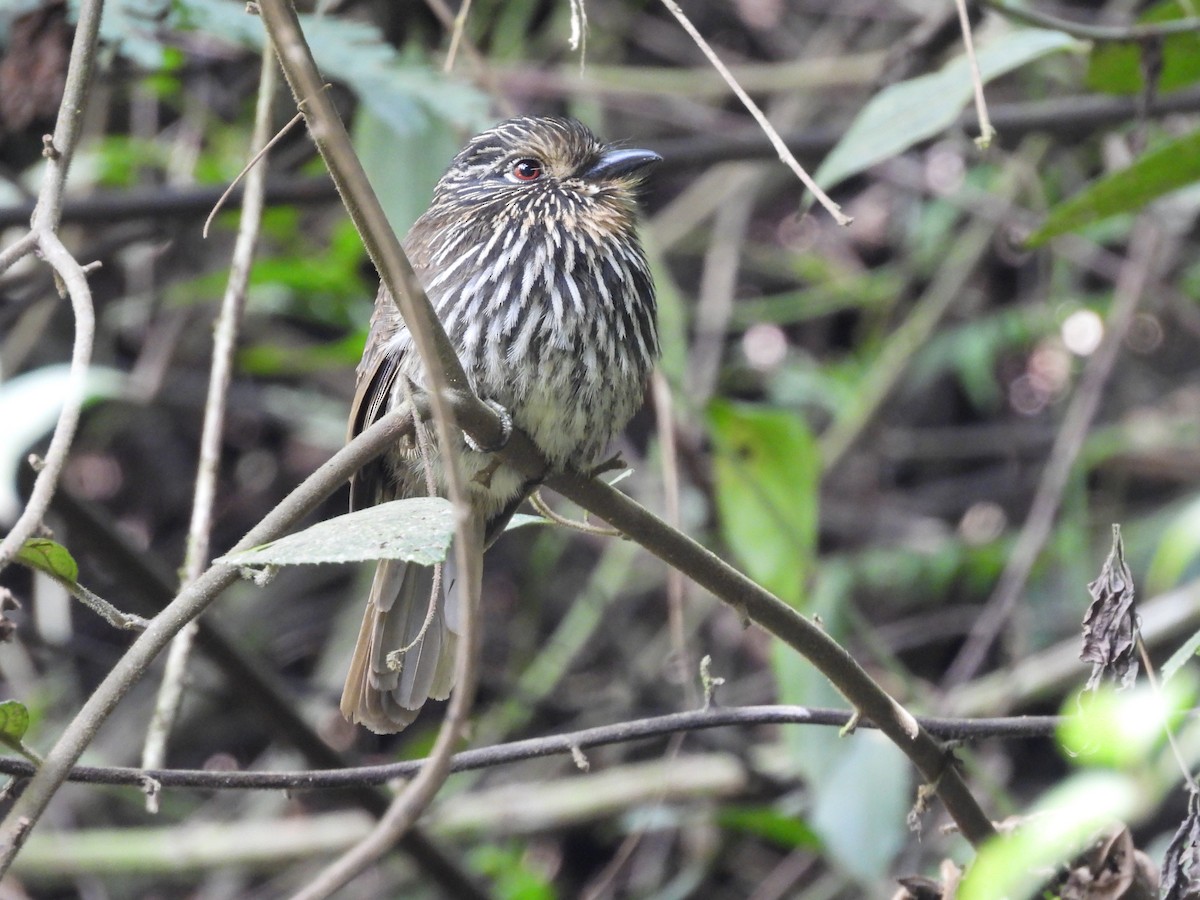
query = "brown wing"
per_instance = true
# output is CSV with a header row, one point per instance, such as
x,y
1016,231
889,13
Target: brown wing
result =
x,y
377,378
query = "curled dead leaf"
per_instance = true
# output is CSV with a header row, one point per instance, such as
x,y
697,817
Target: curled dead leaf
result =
x,y
1111,625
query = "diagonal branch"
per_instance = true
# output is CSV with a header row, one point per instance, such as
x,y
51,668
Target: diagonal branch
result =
x,y
444,375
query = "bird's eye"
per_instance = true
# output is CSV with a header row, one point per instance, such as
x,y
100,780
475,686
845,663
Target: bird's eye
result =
x,y
526,170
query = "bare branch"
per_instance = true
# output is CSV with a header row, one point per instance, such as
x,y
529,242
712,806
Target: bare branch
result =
x,y
225,336
1146,32
59,150
785,155
1131,285
1010,728
444,376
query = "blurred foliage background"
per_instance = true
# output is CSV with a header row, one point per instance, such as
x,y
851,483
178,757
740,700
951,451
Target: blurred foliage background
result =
x,y
859,418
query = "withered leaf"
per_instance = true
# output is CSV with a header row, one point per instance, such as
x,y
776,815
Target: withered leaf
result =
x,y
1111,624
1111,869
1181,864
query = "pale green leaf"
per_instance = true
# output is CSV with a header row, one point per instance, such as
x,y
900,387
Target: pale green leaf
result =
x,y
1177,550
860,806
1186,652
417,529
904,114
520,520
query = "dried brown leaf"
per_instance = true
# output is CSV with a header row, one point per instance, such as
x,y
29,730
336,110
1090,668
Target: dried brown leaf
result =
x,y
1111,869
1181,863
1111,624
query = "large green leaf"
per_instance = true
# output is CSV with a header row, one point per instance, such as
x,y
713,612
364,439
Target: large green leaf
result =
x,y
766,467
861,804
1170,167
417,529
903,114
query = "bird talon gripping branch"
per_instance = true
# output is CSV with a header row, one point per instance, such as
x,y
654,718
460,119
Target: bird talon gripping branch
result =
x,y
506,429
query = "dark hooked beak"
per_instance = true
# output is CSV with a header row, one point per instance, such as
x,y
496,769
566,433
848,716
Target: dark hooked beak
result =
x,y
616,163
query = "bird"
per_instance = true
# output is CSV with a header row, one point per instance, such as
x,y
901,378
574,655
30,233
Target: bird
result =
x,y
530,255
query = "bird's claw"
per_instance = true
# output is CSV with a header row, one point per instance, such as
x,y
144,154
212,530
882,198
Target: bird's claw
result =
x,y
506,428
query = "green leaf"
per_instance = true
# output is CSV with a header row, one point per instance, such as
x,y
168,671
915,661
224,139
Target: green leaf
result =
x,y
1177,550
276,359
1118,729
404,190
14,720
786,831
417,529
1117,67
49,557
1187,650
1172,166
903,114
520,520
766,467
861,804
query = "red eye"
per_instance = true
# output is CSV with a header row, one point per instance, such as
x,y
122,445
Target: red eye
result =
x,y
527,170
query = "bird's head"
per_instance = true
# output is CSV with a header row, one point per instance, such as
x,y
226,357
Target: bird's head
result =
x,y
548,170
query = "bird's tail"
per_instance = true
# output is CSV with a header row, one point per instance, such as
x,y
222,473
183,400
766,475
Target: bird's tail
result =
x,y
385,689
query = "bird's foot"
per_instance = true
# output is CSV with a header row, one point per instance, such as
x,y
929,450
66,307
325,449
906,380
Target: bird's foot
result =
x,y
506,428
612,464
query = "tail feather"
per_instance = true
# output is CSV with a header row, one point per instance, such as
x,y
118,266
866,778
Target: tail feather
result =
x,y
381,697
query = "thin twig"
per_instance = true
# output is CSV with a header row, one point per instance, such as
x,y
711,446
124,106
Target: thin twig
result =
x,y
444,377
482,70
1131,286
19,249
60,148
538,502
263,151
1152,677
785,155
225,335
1149,31
97,604
456,35
949,729
676,584
986,131
75,281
